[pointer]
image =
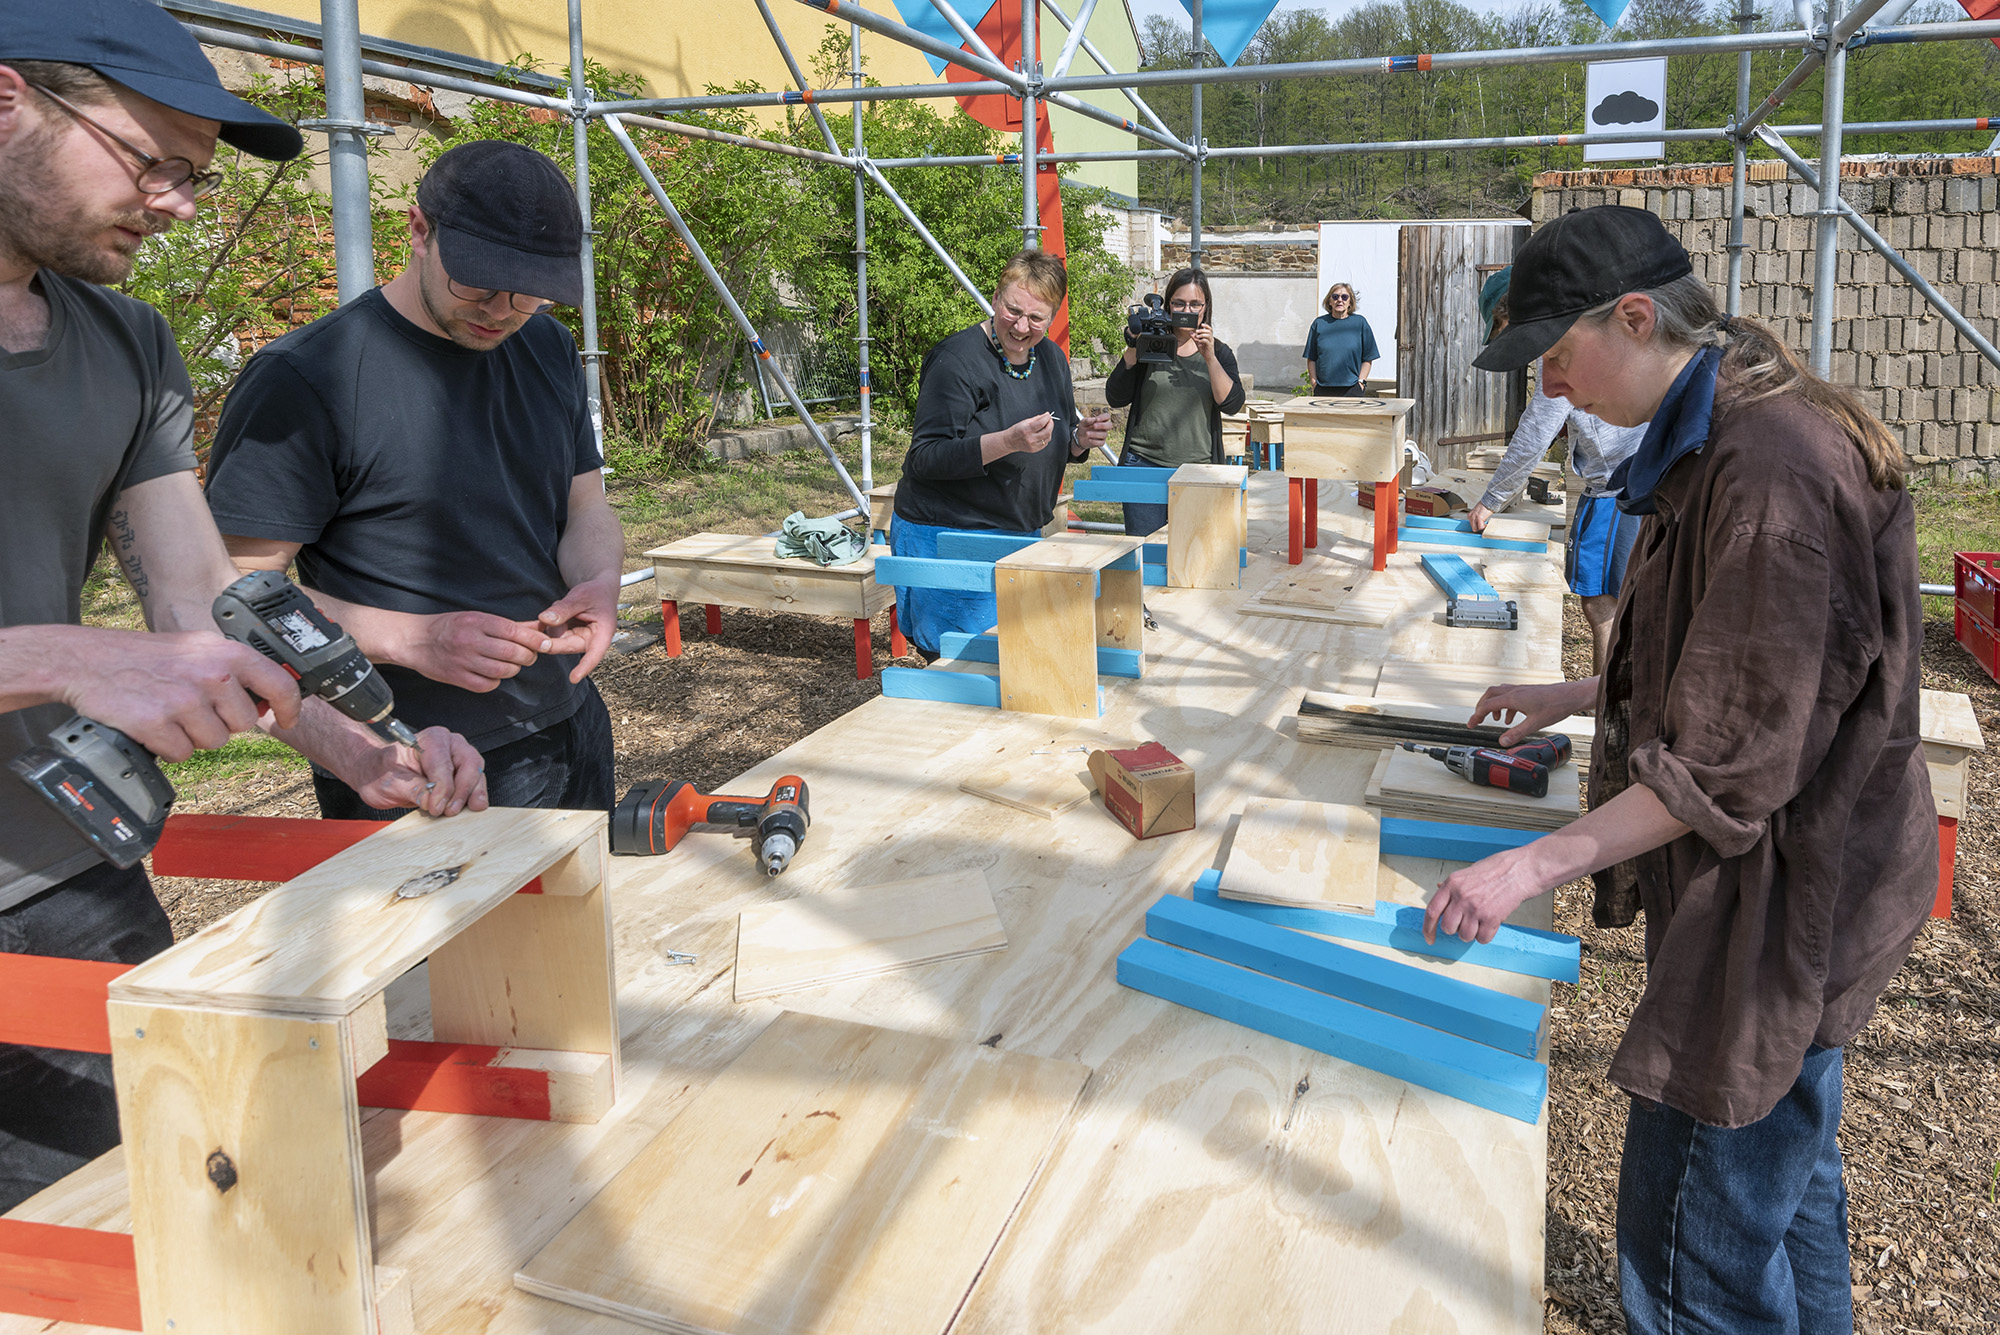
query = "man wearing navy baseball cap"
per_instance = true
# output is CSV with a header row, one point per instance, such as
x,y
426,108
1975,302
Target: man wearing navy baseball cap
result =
x,y
426,454
109,116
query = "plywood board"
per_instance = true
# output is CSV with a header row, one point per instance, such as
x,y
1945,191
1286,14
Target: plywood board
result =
x,y
756,549
1048,639
323,943
1457,685
835,935
1043,780
835,1178
1370,722
1316,854
1344,591
1070,552
1417,785
1946,718
1517,528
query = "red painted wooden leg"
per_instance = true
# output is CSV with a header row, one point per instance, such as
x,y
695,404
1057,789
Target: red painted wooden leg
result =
x,y
670,627
1947,855
1312,512
864,650
1385,524
714,619
1395,513
899,646
1295,490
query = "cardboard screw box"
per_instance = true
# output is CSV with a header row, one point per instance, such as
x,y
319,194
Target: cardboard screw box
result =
x,y
1147,789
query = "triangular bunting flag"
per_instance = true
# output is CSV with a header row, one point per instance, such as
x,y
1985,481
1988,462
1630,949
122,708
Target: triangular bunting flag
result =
x,y
1608,10
925,18
1228,25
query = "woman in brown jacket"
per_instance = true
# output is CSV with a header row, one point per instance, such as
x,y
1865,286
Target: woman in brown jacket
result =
x,y
1757,788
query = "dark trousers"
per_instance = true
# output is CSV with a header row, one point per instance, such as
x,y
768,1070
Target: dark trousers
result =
x,y
566,766
1339,392
1141,520
1737,1231
57,1109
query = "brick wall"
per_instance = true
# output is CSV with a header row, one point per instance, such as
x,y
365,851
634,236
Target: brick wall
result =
x,y
1912,368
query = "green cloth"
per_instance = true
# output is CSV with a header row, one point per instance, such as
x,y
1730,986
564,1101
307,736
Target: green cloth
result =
x,y
827,542
1173,429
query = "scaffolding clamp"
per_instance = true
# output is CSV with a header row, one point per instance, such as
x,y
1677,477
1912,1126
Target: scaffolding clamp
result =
x,y
333,126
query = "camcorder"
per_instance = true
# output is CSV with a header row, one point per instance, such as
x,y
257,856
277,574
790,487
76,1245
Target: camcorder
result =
x,y
1154,330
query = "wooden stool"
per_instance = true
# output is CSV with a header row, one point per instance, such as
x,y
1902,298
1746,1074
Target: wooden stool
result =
x,y
1207,526
740,570
1359,440
1950,732
1059,600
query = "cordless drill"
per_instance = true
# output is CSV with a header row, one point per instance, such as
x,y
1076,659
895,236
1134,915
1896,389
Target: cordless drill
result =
x,y
111,788
1522,769
653,817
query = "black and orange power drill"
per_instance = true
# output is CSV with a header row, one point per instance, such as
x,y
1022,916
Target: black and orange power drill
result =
x,y
1522,769
653,817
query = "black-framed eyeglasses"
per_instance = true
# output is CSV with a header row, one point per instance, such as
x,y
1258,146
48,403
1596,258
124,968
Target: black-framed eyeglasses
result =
x,y
1339,296
157,176
1185,306
479,296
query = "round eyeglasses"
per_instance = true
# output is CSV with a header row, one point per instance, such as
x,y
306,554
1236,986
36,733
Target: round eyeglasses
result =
x,y
479,296
157,176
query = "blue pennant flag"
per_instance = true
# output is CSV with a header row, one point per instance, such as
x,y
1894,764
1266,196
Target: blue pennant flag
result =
x,y
1608,10
925,18
1228,25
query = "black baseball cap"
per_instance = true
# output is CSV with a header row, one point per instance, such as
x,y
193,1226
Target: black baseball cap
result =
x,y
1574,264
506,218
138,44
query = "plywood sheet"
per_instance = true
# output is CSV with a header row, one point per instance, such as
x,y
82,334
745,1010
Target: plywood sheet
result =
x,y
1071,551
1416,785
1370,722
857,932
836,1177
1517,528
1946,718
1458,685
1043,780
756,549
326,941
1346,592
1318,854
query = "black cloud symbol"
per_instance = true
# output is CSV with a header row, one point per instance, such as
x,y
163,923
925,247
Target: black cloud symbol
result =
x,y
1627,108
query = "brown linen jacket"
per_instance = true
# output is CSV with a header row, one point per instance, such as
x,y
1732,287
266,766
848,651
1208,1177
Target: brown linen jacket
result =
x,y
1766,648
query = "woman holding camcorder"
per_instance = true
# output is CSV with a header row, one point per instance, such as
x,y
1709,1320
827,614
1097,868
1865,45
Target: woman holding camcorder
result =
x,y
1179,379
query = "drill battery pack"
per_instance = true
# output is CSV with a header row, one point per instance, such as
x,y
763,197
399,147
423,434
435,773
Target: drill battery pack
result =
x,y
639,821
105,784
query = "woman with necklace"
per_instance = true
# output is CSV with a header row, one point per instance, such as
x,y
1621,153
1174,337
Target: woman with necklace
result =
x,y
1177,407
995,426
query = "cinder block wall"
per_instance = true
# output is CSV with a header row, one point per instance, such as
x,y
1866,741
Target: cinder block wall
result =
x,y
1914,370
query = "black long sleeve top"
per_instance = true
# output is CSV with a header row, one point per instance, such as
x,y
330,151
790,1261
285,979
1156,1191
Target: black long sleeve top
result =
x,y
1126,384
965,393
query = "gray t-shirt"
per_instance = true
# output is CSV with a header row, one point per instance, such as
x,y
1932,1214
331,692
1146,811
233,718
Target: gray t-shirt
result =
x,y
103,404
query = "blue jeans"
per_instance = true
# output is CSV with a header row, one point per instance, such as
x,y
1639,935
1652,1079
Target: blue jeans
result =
x,y
925,614
57,1109
566,766
1737,1231
1141,520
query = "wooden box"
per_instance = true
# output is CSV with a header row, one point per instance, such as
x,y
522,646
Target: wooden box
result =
x,y
1359,440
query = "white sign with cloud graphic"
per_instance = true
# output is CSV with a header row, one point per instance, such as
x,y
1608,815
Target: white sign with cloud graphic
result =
x,y
1625,95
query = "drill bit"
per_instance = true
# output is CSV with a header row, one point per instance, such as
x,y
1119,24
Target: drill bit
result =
x,y
392,729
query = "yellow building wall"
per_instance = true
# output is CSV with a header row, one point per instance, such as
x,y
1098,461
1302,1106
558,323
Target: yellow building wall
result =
x,y
680,48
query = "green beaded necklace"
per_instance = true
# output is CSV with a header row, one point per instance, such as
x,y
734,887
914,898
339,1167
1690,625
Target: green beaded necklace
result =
x,y
1005,364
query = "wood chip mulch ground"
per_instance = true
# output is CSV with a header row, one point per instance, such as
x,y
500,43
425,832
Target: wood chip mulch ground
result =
x,y
1922,1127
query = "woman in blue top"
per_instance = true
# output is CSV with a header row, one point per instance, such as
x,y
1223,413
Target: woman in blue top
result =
x,y
1340,347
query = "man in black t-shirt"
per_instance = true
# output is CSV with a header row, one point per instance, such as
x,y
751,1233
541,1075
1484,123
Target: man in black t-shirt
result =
x,y
109,116
426,453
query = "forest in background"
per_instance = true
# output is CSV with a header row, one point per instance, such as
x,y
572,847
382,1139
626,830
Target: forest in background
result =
x,y
1925,80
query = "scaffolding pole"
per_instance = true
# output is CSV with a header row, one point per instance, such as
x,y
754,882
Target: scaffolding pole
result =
x,y
865,392
1200,146
1031,72
1826,233
1075,40
856,16
347,131
1803,170
924,235
1090,49
579,119
1739,178
721,289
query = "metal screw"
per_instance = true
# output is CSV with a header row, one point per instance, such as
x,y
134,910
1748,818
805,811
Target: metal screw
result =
x,y
138,1033
313,1043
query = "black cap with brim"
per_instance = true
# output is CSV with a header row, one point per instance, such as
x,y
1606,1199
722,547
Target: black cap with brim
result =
x,y
1577,263
140,45
477,262
255,131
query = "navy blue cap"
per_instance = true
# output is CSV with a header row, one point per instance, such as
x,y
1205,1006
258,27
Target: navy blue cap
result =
x,y
140,45
506,218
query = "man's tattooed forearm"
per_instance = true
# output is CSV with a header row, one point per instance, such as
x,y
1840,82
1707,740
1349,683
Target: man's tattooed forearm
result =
x,y
126,543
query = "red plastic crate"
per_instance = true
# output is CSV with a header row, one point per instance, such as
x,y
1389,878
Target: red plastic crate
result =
x,y
1979,639
1976,579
